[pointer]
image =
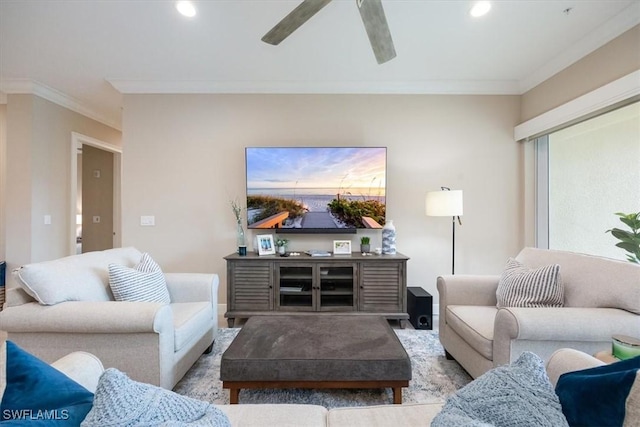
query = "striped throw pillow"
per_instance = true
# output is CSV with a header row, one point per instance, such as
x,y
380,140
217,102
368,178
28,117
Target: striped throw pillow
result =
x,y
521,286
144,282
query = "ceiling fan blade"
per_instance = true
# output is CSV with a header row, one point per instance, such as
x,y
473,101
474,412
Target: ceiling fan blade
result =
x,y
377,28
294,20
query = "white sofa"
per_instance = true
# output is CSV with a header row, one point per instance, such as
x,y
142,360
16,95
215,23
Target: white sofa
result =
x,y
86,369
152,342
601,299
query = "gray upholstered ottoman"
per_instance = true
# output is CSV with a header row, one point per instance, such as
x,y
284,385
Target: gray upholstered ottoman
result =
x,y
315,351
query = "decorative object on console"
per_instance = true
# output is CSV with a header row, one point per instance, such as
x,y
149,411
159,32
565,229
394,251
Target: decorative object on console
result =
x,y
266,246
240,235
342,247
281,244
365,244
446,203
389,238
317,252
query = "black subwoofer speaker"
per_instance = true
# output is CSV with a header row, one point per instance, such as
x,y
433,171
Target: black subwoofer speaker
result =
x,y
420,308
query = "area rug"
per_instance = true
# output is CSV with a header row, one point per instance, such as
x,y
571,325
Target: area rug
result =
x,y
433,378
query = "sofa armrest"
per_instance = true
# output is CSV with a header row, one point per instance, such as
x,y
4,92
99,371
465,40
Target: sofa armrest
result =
x,y
569,360
82,367
468,290
107,317
193,287
559,324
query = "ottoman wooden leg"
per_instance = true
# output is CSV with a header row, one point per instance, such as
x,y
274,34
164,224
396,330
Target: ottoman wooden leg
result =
x,y
234,394
397,395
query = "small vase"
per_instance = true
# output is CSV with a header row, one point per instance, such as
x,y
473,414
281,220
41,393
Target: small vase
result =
x,y
389,238
365,248
281,250
240,238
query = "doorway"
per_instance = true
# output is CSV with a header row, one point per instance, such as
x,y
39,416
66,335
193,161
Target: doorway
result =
x,y
95,195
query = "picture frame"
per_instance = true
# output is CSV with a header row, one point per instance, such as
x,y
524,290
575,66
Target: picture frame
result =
x,y
266,245
342,247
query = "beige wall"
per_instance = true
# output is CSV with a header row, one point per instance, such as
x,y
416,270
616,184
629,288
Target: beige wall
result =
x,y
184,162
615,59
38,175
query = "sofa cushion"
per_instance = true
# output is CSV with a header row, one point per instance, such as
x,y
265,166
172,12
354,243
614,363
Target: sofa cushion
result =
x,y
520,286
280,415
191,320
74,278
474,323
144,282
591,281
120,401
519,394
384,415
607,395
32,391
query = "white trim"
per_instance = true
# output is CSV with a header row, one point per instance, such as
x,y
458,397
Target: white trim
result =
x,y
619,90
438,87
28,86
622,22
77,140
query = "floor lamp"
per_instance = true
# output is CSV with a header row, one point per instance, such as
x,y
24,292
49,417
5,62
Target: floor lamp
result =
x,y
446,203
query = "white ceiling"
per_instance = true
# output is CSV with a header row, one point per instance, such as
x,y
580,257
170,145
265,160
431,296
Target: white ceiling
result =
x,y
89,52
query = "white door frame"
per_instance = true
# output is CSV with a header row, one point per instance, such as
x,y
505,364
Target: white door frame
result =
x,y
77,140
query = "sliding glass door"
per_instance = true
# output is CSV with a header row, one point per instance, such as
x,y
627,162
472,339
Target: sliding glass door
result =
x,y
585,174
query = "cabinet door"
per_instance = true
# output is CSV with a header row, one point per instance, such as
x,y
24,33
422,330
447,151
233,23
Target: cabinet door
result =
x,y
251,286
336,289
381,286
294,287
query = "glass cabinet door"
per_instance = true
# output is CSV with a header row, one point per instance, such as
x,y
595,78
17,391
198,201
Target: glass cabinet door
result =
x,y
295,288
336,286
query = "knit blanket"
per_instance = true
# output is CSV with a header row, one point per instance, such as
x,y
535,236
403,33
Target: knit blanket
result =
x,y
120,401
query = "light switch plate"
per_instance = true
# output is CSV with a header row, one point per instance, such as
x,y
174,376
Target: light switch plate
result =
x,y
147,220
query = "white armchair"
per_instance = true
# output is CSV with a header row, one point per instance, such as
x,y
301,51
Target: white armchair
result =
x,y
601,299
152,342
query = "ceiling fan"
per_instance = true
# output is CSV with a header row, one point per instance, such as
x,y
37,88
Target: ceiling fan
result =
x,y
372,15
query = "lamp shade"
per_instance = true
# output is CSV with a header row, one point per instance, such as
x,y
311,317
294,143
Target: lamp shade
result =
x,y
444,203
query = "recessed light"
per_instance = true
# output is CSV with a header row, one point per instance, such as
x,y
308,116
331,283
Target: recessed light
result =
x,y
186,8
481,8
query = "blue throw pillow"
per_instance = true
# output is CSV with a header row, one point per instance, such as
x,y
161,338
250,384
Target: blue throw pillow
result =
x,y
519,394
598,396
36,393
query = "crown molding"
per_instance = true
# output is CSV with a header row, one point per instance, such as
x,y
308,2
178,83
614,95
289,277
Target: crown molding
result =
x,y
28,86
622,22
435,87
617,91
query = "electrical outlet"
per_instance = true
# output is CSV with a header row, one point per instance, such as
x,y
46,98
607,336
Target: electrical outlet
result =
x,y
147,220
96,219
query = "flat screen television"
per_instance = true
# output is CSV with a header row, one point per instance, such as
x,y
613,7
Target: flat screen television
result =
x,y
316,189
